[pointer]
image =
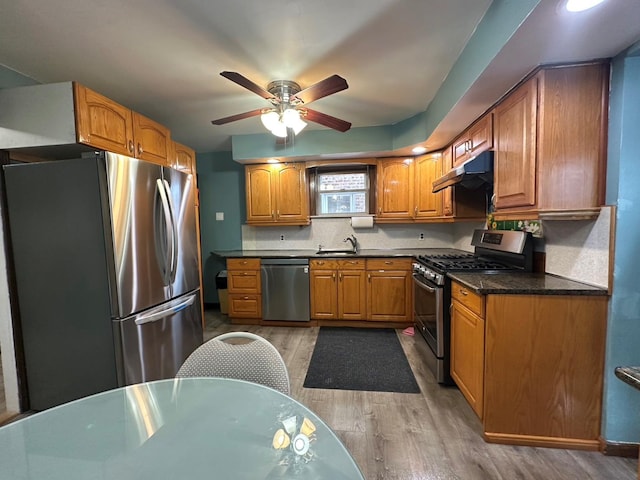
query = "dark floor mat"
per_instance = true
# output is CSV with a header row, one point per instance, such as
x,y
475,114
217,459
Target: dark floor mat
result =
x,y
369,359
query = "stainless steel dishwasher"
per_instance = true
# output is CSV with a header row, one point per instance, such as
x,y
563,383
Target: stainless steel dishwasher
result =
x,y
285,289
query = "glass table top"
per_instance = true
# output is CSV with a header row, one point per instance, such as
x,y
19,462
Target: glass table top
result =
x,y
189,428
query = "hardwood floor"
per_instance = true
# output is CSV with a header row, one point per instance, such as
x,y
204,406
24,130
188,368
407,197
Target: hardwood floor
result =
x,y
431,435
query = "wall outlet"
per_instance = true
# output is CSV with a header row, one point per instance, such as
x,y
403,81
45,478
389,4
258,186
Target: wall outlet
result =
x,y
421,236
281,237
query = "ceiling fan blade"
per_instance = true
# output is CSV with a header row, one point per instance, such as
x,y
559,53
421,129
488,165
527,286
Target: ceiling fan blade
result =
x,y
327,120
248,84
239,116
328,86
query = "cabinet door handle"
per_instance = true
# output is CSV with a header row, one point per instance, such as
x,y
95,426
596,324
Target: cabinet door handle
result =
x,y
131,148
333,275
273,214
340,276
140,149
369,277
415,211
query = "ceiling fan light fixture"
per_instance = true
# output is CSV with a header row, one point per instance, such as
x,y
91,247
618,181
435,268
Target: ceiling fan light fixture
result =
x,y
279,130
270,119
291,118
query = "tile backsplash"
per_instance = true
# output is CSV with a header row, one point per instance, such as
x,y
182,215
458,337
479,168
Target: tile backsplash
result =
x,y
578,250
330,233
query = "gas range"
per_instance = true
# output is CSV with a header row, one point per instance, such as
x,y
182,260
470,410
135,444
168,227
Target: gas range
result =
x,y
495,250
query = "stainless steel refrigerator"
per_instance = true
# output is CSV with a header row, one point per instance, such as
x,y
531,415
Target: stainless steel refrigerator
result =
x,y
104,250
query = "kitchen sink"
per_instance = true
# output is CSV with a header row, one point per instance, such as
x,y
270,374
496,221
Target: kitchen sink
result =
x,y
335,252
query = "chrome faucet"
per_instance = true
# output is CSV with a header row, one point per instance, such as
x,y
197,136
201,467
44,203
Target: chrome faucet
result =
x,y
354,242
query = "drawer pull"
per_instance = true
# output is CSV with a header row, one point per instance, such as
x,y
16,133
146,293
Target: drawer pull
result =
x,y
463,292
387,262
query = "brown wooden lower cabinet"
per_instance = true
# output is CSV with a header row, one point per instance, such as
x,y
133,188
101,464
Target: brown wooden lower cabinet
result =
x,y
389,290
467,345
343,290
244,288
245,305
543,370
337,289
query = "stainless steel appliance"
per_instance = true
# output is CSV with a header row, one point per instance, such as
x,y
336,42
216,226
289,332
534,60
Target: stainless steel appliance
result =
x,y
285,289
106,273
495,251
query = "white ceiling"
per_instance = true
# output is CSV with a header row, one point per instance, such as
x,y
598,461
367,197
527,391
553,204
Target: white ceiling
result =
x,y
162,58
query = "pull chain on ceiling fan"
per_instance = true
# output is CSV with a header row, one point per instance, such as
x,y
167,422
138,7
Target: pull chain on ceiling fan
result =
x,y
287,114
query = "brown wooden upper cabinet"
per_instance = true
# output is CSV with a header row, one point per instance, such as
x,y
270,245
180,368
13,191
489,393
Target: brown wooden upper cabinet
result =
x,y
277,194
550,144
183,158
104,124
395,189
405,189
405,192
476,139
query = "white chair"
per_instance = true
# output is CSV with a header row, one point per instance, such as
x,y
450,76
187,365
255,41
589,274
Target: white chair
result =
x,y
257,361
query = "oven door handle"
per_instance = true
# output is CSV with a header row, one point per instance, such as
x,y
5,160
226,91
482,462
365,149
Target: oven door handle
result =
x,y
423,285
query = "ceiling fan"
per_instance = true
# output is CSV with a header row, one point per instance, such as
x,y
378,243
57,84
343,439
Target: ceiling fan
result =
x,y
288,111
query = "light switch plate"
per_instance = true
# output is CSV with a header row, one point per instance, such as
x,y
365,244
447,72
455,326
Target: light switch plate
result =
x,y
219,216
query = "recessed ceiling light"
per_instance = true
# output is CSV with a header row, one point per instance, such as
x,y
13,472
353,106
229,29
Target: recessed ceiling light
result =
x,y
419,150
273,160
580,5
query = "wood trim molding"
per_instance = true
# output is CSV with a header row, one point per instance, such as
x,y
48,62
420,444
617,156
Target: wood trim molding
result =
x,y
619,449
536,441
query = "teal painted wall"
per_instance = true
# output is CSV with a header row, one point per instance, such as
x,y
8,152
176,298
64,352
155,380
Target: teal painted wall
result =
x,y
621,421
10,78
221,184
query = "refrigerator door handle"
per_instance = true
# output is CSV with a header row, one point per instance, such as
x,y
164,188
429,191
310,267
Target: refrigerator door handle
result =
x,y
152,316
166,207
174,230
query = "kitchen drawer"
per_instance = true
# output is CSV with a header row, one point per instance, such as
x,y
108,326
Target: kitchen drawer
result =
x,y
245,306
351,264
469,299
243,264
243,281
324,264
389,264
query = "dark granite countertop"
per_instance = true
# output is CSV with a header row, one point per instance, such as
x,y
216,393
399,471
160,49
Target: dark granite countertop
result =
x,y
372,253
630,375
524,284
